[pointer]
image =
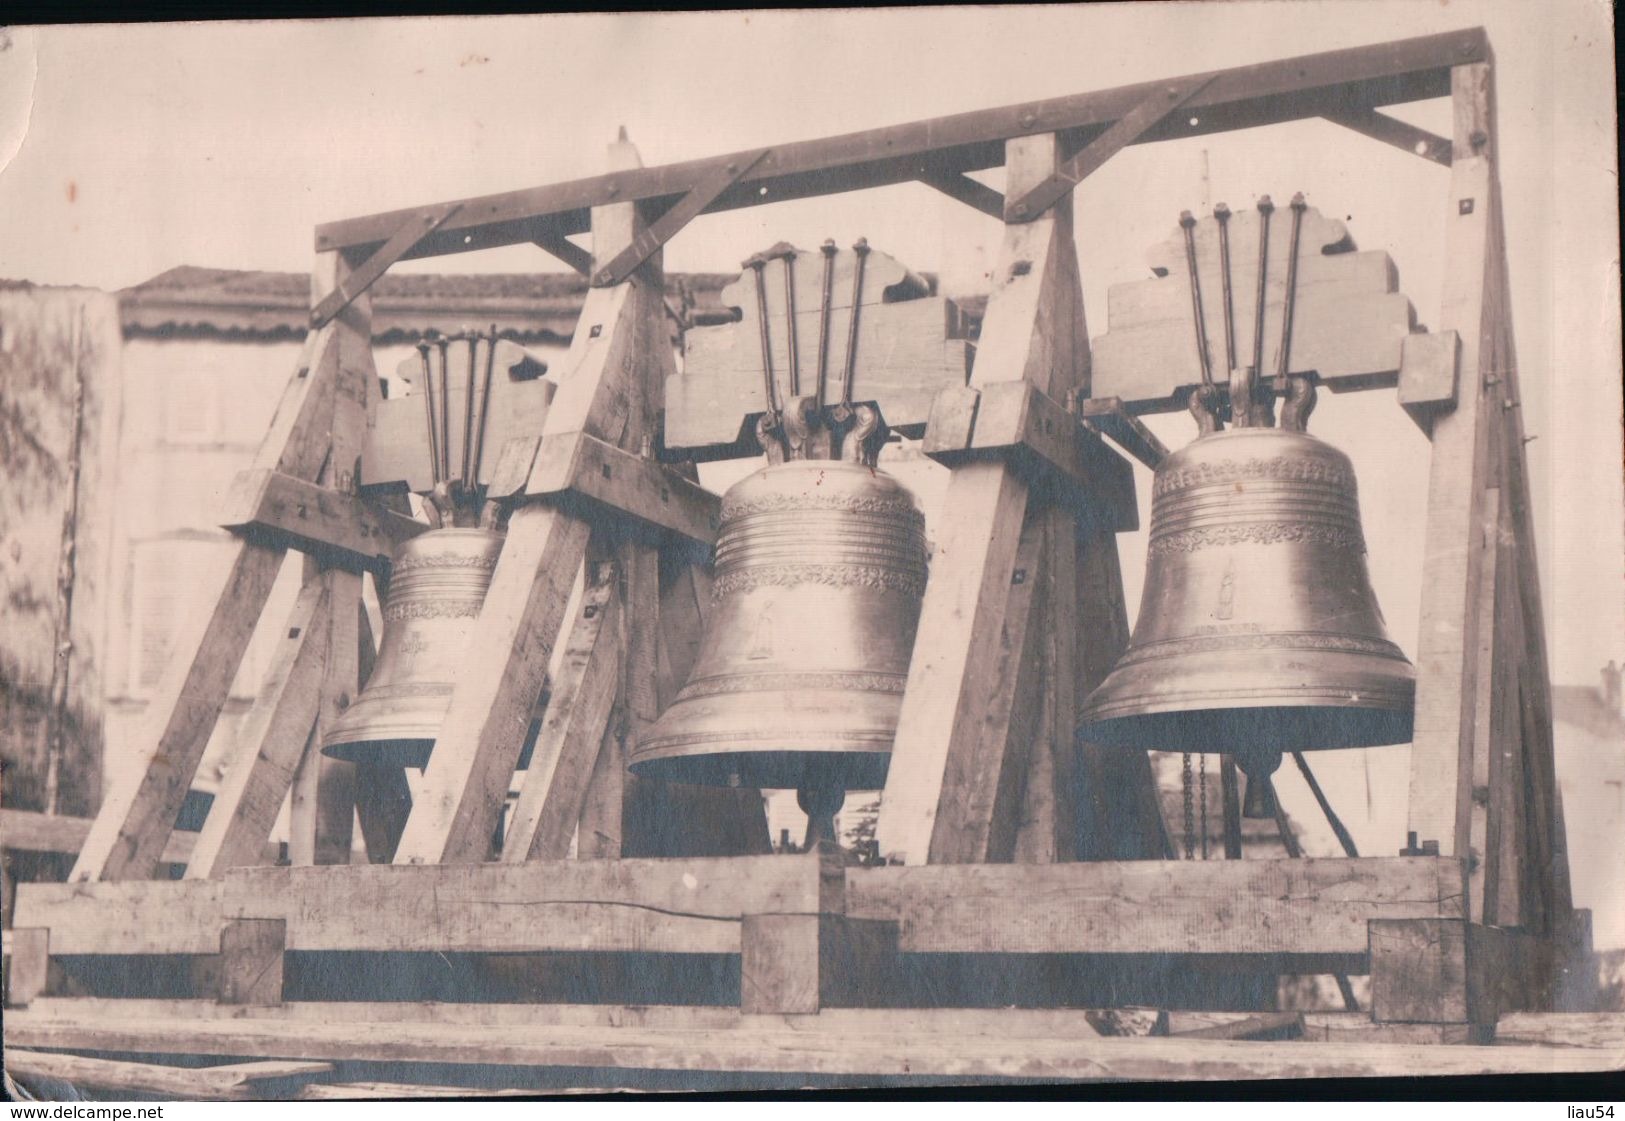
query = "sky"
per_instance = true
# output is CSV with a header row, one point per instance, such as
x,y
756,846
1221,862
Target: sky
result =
x,y
128,150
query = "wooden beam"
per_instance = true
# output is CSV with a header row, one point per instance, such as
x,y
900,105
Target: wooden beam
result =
x,y
974,194
1305,906
1124,131
596,479
1109,417
26,831
339,529
866,1053
1241,97
1033,333
250,961
1446,663
649,238
227,1082
694,905
411,231
1392,131
28,959
565,250
1262,1025
566,750
270,742
798,964
1429,970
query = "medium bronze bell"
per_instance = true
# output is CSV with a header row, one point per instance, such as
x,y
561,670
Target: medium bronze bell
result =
x,y
437,584
820,570
1258,630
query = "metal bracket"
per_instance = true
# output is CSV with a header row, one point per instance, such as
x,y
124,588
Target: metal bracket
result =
x,y
1391,130
1124,131
686,209
400,243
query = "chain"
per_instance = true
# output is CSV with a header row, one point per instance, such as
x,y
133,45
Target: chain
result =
x,y
1202,777
1190,809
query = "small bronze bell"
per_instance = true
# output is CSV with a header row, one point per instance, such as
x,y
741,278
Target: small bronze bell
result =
x,y
1258,630
820,570
437,585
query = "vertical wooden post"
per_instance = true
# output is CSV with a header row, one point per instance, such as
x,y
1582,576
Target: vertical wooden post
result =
x,y
1447,667
250,963
28,965
323,810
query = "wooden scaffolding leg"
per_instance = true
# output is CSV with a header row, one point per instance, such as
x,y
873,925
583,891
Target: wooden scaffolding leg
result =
x,y
127,839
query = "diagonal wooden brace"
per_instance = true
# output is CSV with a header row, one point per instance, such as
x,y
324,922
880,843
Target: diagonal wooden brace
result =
x,y
565,250
663,229
1392,130
972,193
1124,131
407,235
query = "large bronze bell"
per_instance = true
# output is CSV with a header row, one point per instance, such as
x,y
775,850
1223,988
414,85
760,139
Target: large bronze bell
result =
x,y
1258,630
437,585
820,570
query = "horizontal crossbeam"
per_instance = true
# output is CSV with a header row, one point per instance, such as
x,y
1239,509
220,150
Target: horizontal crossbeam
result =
x,y
1242,97
356,534
578,466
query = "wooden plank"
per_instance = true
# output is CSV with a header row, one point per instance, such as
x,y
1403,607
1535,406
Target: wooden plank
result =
x,y
396,447
26,831
1108,416
127,917
1262,1025
270,742
1307,906
692,905
904,357
28,956
496,690
1393,131
1128,128
595,480
566,750
1563,1029
340,529
250,961
1428,375
127,838
649,238
351,284
971,192
565,250
1137,1059
1421,972
1288,89
1047,830
1446,669
230,1082
1486,539
1033,331
798,964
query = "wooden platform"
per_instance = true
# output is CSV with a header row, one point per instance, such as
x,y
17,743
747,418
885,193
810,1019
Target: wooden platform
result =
x,y
939,1044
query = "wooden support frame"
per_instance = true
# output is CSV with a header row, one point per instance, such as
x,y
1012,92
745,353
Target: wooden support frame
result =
x,y
990,806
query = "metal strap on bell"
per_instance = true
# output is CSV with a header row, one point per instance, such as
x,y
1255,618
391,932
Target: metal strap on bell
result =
x,y
820,573
1258,630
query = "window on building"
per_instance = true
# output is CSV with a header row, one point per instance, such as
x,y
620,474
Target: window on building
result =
x,y
192,407
167,579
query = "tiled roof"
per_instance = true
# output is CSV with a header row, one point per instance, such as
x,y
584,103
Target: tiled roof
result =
x,y
189,301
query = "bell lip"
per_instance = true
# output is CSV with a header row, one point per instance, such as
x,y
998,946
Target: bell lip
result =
x,y
855,767
398,751
1184,724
